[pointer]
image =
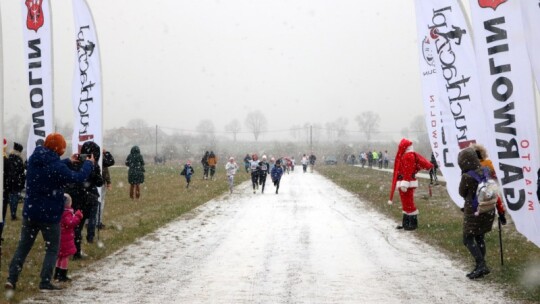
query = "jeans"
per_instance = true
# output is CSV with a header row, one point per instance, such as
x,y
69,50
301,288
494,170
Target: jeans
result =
x,y
29,232
14,198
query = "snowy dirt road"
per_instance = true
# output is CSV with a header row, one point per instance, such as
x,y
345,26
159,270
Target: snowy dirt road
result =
x,y
312,243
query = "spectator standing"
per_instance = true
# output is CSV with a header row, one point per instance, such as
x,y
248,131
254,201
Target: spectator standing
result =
x,y
474,226
5,196
43,206
212,162
385,159
85,195
135,162
231,167
17,177
108,161
70,219
433,171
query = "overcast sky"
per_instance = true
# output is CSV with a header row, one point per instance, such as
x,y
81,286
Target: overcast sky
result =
x,y
175,62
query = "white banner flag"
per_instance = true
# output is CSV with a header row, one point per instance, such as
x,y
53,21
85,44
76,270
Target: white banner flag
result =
x,y
1,107
87,99
451,94
531,17
508,96
38,52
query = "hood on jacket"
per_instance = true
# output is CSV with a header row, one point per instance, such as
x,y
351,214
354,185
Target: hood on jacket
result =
x,y
468,160
135,150
91,147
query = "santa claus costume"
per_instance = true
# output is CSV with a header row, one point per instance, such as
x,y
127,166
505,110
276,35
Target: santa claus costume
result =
x,y
406,165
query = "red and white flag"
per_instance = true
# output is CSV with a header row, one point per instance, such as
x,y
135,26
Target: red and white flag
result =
x,y
509,101
87,94
38,53
531,20
450,86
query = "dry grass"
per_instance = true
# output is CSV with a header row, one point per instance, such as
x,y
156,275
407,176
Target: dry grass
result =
x,y
440,224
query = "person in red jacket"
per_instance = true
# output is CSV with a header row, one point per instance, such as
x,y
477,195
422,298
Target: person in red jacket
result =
x,y
406,165
68,222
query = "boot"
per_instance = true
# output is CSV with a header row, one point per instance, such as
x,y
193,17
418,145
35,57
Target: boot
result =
x,y
480,271
404,222
62,277
56,273
412,222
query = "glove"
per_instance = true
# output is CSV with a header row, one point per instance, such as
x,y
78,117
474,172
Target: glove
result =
x,y
502,218
390,202
78,214
403,189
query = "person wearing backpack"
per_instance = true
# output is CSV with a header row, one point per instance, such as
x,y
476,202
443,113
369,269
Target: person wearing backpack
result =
x,y
406,165
474,226
482,155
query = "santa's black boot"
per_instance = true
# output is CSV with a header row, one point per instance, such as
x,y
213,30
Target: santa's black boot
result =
x,y
404,222
413,222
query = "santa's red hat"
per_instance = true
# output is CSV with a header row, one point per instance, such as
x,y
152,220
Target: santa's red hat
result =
x,y
402,147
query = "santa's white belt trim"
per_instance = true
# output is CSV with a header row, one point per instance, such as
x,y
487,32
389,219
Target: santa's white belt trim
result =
x,y
407,184
415,212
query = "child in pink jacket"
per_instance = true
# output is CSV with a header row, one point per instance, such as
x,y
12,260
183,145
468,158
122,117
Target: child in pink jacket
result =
x,y
68,222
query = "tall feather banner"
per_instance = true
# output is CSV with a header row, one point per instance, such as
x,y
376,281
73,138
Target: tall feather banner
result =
x,y
450,86
87,95
508,95
38,53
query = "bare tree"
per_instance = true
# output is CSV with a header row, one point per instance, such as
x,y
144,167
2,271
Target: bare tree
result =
x,y
337,129
418,128
368,123
256,122
233,127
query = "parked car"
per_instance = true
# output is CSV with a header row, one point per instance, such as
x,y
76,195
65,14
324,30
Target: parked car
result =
x,y
330,160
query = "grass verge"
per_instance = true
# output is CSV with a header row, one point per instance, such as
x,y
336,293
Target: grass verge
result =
x,y
163,199
440,224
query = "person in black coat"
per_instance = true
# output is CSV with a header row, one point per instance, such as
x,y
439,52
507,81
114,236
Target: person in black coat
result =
x,y
16,178
85,195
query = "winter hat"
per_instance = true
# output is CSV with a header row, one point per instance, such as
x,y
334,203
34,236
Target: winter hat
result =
x,y
231,158
264,157
404,144
91,147
55,142
188,162
17,147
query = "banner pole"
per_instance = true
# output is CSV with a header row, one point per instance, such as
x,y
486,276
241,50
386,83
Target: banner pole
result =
x,y
500,242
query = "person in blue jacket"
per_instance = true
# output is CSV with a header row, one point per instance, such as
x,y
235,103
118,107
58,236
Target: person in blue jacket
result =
x,y
276,174
46,177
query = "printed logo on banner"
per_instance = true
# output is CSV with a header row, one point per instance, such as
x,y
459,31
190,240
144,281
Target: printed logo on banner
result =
x,y
85,49
446,36
427,52
35,18
491,3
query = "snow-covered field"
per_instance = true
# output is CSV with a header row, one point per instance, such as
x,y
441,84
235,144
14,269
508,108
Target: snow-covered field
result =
x,y
312,243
